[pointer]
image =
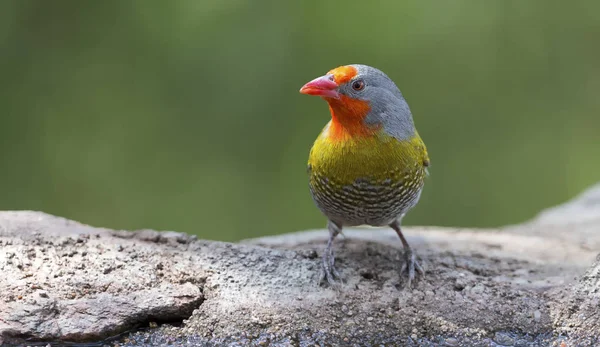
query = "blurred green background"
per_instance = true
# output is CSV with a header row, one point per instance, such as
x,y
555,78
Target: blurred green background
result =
x,y
185,115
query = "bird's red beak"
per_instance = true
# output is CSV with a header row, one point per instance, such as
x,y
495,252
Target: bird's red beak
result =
x,y
323,86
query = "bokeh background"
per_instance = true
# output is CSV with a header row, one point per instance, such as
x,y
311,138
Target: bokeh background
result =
x,y
185,115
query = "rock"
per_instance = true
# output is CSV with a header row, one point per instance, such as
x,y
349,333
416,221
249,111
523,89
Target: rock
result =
x,y
579,311
64,281
584,208
67,282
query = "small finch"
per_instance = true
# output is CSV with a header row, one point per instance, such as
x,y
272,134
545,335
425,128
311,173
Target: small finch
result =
x,y
368,165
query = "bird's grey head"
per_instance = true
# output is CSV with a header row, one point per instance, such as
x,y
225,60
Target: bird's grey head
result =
x,y
387,105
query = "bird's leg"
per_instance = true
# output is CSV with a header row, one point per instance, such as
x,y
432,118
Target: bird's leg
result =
x,y
329,272
410,260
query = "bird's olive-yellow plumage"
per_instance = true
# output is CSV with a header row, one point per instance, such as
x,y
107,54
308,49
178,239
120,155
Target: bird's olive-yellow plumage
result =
x,y
378,157
370,179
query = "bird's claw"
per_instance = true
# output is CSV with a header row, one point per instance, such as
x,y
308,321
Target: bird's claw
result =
x,y
411,267
329,271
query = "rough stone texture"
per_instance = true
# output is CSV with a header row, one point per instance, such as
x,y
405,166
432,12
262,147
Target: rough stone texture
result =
x,y
522,285
62,280
579,309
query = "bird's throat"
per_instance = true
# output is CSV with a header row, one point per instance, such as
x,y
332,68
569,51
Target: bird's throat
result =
x,y
348,119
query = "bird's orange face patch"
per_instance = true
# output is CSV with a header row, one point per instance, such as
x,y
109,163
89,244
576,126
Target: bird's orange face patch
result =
x,y
347,118
343,74
347,114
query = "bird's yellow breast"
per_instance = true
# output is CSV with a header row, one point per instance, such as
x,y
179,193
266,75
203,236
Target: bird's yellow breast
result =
x,y
376,158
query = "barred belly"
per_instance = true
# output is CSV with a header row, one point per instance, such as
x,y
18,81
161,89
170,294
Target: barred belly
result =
x,y
366,201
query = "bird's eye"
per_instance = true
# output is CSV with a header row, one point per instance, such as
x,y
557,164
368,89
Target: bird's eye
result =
x,y
358,85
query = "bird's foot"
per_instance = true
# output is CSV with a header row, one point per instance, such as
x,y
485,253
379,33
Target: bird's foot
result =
x,y
411,267
328,270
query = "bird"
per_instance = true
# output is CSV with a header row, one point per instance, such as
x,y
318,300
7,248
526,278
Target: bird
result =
x,y
369,164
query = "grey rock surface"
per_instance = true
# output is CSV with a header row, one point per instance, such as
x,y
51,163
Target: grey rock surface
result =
x,y
62,280
534,284
579,310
